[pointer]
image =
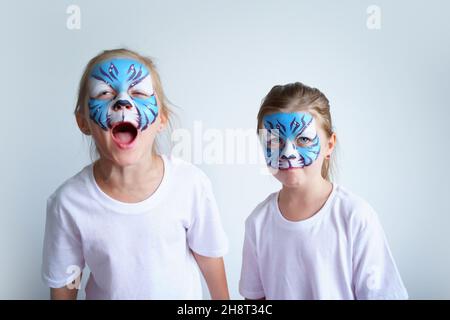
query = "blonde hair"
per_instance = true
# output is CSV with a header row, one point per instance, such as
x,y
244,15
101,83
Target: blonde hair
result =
x,y
163,104
295,97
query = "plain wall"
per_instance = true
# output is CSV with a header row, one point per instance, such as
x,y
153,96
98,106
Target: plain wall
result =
x,y
388,90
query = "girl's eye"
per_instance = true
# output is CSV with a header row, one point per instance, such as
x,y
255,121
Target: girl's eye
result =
x,y
303,141
139,94
275,143
105,95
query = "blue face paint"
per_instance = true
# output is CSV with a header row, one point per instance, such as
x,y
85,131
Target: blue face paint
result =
x,y
293,140
121,90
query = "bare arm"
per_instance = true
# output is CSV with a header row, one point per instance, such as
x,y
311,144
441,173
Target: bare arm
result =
x,y
68,292
213,271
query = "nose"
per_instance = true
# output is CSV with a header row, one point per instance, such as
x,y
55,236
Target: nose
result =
x,y
288,152
122,104
289,157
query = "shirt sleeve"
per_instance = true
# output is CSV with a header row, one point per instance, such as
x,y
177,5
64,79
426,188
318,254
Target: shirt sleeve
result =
x,y
375,275
205,234
62,260
250,285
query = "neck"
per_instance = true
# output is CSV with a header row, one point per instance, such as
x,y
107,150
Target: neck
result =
x,y
129,183
302,201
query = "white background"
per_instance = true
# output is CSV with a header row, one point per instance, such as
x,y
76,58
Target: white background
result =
x,y
388,89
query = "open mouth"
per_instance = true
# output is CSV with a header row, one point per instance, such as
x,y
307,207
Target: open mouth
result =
x,y
124,133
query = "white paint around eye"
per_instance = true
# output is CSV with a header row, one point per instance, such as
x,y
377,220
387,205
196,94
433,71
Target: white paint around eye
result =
x,y
310,132
95,87
145,86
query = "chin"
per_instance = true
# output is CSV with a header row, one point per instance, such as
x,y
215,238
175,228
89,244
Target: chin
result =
x,y
123,159
291,177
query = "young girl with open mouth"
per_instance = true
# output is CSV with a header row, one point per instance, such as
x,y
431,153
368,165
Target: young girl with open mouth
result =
x,y
141,221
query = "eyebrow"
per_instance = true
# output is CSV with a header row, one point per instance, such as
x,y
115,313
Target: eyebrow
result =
x,y
101,79
305,125
105,74
135,82
282,127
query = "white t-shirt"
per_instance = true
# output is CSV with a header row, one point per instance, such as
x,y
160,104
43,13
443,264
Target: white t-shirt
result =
x,y
339,253
134,250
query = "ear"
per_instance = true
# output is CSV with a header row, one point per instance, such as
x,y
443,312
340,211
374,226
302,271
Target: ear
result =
x,y
83,123
331,144
163,121
161,114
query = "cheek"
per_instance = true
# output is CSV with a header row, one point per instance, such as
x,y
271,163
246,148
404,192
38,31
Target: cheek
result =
x,y
154,127
98,134
150,133
323,143
317,164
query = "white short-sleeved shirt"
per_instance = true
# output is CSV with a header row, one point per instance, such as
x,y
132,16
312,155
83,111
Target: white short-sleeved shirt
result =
x,y
339,253
134,250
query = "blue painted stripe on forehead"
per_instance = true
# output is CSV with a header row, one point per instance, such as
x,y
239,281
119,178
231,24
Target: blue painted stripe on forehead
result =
x,y
286,120
119,69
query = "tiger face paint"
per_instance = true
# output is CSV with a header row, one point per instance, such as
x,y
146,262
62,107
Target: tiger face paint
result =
x,y
121,93
292,141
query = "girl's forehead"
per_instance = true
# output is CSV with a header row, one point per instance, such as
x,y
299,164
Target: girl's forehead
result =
x,y
291,120
119,64
119,72
290,115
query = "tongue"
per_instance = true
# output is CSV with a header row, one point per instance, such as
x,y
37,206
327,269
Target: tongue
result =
x,y
124,136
